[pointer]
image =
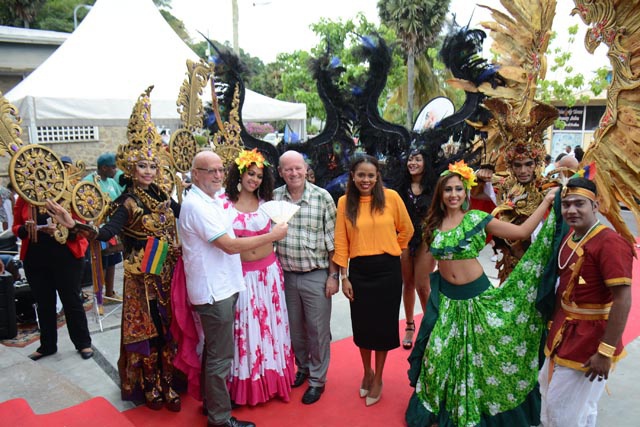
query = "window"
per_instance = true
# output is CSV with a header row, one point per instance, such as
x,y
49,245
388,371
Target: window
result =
x,y
57,134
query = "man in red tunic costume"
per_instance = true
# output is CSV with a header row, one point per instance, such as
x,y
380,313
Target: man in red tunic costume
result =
x,y
593,299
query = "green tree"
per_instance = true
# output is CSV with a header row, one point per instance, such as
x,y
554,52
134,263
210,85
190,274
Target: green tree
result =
x,y
430,82
417,23
571,85
269,81
339,38
20,12
254,65
57,15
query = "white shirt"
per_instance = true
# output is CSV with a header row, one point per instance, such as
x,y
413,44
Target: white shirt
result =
x,y
212,274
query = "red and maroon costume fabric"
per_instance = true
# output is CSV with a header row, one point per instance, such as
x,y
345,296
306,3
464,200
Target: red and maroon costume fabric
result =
x,y
583,298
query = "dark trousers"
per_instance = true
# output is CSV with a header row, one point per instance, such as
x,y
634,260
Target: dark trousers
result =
x,y
50,269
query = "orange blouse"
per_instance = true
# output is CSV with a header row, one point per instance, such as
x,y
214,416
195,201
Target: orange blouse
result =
x,y
375,234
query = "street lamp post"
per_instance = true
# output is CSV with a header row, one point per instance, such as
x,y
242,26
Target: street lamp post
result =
x,y
75,14
234,13
235,18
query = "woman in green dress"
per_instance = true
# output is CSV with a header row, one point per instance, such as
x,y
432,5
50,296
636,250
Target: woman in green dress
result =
x,y
476,357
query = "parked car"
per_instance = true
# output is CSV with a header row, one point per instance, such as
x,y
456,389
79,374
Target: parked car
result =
x,y
273,138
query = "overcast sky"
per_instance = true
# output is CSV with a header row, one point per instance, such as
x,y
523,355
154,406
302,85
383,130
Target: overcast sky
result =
x,y
269,27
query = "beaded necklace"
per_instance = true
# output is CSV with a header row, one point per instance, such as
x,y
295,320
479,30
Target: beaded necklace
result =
x,y
562,266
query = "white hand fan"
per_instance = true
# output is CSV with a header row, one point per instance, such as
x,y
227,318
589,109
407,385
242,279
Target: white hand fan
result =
x,y
279,211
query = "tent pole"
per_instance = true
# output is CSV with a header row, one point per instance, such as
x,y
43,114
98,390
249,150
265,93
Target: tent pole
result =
x,y
33,129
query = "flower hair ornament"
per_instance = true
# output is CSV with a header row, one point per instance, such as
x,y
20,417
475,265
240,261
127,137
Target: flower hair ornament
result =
x,y
465,172
248,157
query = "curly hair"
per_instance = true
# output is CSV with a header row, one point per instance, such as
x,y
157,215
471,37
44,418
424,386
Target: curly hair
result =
x,y
437,209
353,194
264,192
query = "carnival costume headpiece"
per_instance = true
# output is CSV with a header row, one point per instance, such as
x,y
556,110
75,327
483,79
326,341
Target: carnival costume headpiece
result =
x,y
465,172
248,157
522,135
582,184
144,143
580,187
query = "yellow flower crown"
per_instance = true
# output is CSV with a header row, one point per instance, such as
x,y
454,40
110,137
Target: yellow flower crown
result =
x,y
467,174
246,158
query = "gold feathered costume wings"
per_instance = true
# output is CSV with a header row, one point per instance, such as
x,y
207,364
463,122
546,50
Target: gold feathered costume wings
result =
x,y
520,39
616,145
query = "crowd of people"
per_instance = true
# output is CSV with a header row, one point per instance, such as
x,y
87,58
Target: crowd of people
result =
x,y
262,291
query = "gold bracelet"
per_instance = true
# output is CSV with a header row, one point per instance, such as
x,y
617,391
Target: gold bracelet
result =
x,y
606,350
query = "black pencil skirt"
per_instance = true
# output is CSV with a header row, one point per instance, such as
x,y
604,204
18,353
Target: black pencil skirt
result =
x,y
377,291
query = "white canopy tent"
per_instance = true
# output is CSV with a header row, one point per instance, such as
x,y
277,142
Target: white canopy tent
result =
x,y
119,49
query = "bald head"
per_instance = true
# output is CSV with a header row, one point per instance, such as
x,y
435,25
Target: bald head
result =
x,y
293,169
203,157
568,162
207,172
291,155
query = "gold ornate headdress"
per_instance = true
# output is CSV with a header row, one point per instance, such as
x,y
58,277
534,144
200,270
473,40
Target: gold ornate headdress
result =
x,y
183,145
227,142
521,38
522,137
144,143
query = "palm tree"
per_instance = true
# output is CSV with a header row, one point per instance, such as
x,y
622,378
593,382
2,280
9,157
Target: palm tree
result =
x,y
24,10
430,77
417,23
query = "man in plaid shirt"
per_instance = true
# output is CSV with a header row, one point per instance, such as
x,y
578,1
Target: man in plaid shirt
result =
x,y
310,277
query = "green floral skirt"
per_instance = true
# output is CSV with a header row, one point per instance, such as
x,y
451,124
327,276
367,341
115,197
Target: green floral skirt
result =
x,y
476,359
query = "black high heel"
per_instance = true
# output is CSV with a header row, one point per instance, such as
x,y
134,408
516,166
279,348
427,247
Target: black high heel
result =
x,y
407,343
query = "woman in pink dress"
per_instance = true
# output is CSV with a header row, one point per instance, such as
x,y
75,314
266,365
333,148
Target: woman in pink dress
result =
x,y
263,365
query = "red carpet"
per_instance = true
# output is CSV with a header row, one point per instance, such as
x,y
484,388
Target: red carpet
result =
x,y
97,411
632,331
340,404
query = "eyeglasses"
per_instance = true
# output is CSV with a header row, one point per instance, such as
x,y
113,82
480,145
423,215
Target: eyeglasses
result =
x,y
210,171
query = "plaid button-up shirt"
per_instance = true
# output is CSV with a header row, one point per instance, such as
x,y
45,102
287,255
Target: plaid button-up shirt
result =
x,y
310,237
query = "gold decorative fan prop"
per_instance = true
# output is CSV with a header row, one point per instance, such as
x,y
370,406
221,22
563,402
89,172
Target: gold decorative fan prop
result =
x,y
37,173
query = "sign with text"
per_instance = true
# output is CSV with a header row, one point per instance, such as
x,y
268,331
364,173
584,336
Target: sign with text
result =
x,y
573,117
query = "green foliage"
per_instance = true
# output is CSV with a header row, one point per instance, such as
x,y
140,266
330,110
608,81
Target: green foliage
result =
x,y
312,129
19,13
416,22
57,15
571,85
176,24
430,81
339,38
254,65
268,81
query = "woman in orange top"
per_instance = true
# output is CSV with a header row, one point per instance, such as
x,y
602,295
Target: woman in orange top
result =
x,y
372,229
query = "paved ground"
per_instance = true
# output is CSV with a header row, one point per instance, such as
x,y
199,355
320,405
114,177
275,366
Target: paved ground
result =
x,y
64,379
